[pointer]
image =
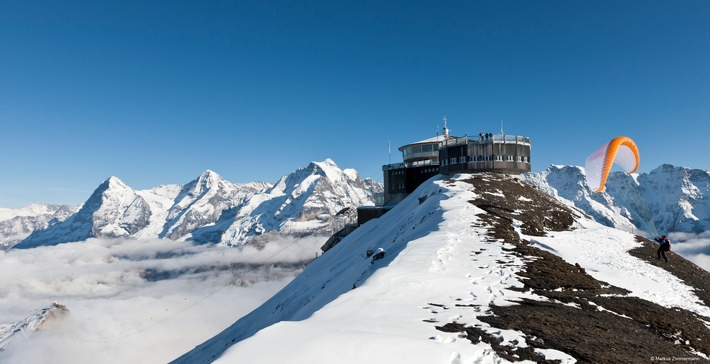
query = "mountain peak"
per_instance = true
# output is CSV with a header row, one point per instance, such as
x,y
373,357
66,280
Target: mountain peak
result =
x,y
326,168
209,176
206,180
209,173
114,181
326,162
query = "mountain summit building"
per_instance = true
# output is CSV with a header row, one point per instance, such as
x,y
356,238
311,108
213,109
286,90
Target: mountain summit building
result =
x,y
442,154
447,154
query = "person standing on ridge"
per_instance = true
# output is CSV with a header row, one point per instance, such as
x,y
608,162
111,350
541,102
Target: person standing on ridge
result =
x,y
663,248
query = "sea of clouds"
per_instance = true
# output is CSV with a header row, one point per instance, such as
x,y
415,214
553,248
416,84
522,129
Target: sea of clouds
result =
x,y
140,301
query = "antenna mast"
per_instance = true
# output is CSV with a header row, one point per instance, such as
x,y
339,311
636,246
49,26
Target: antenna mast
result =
x,y
446,130
389,153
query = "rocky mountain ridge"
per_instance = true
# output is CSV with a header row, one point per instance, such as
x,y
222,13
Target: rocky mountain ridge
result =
x,y
36,321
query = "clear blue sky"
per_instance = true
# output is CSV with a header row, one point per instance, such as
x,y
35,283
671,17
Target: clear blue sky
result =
x,y
156,92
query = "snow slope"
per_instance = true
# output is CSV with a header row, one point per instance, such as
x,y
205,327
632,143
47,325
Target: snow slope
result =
x,y
440,265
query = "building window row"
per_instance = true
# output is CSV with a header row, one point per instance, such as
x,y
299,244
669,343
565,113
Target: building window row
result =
x,y
423,148
486,158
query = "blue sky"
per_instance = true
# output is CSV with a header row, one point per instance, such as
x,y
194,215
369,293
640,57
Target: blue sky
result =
x,y
156,92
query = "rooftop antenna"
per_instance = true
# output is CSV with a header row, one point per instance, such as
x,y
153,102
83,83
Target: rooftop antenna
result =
x,y
501,127
446,130
389,153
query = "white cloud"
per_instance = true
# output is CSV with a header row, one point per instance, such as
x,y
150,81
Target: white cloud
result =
x,y
144,301
694,247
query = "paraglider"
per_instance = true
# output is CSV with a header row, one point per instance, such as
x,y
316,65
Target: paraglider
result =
x,y
621,150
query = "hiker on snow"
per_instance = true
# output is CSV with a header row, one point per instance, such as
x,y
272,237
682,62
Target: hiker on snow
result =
x,y
665,246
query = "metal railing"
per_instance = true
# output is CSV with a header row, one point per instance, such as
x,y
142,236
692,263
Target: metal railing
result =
x,y
493,138
427,162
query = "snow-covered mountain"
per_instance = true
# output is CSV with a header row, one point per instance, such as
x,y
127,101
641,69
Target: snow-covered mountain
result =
x,y
310,200
479,268
668,199
320,198
36,321
210,209
18,224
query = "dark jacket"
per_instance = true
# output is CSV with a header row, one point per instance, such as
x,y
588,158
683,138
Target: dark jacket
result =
x,y
665,243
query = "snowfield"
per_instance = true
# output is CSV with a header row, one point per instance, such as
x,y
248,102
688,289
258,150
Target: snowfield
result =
x,y
605,255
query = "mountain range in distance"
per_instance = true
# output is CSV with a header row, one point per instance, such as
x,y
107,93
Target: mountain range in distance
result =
x,y
321,198
315,199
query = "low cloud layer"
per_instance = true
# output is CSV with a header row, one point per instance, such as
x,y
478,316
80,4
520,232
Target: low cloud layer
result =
x,y
136,300
694,247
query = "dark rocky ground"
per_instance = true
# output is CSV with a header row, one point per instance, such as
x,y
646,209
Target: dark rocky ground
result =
x,y
626,330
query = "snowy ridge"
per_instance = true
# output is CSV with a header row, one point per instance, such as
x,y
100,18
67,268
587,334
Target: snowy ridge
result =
x,y
444,273
210,209
18,224
202,201
34,322
668,199
304,202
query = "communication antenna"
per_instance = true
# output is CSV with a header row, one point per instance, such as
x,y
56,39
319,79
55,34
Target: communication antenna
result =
x,y
446,130
389,153
501,127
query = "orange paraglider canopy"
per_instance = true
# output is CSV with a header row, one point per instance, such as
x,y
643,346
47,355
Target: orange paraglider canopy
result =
x,y
621,150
